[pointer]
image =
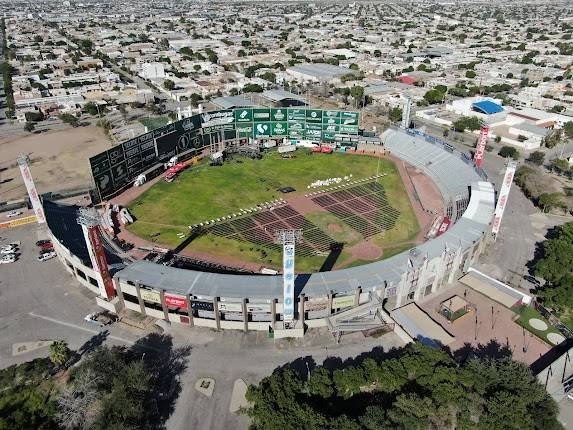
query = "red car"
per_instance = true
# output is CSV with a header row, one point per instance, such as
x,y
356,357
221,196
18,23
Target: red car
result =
x,y
48,245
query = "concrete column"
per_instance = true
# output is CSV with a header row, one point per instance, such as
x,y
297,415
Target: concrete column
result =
x,y
140,300
163,305
216,310
301,299
330,303
245,316
190,311
357,296
119,293
273,312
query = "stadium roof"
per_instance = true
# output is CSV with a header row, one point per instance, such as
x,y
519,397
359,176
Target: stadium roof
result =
x,y
231,102
487,107
321,70
280,95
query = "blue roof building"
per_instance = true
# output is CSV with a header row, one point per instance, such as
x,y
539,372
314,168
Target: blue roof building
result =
x,y
487,107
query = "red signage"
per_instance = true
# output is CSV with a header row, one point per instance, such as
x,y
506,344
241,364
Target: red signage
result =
x,y
176,301
101,261
480,149
444,226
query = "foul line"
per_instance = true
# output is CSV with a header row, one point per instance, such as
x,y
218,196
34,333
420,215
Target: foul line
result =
x,y
78,327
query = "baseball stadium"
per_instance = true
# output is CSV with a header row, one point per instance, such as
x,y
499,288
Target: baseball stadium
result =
x,y
274,219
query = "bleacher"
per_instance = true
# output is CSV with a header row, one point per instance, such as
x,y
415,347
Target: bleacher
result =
x,y
449,172
62,221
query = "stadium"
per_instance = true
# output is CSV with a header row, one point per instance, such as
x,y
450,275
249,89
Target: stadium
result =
x,y
379,222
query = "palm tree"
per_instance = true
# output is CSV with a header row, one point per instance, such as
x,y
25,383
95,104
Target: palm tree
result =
x,y
59,352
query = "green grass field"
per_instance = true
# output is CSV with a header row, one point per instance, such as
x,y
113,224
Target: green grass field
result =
x,y
207,192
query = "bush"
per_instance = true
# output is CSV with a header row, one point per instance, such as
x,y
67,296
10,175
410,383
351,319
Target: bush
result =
x,y
467,123
509,152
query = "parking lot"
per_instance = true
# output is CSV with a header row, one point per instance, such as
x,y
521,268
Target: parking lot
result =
x,y
41,301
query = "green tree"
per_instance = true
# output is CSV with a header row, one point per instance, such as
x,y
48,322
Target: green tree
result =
x,y
536,157
29,127
59,352
91,108
435,95
395,114
509,152
34,116
470,74
168,84
357,93
569,129
559,165
68,118
467,123
549,201
253,88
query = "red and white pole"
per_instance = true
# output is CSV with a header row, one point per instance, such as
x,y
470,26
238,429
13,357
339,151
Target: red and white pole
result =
x,y
480,149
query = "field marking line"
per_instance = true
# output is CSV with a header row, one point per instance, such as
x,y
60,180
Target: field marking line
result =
x,y
78,327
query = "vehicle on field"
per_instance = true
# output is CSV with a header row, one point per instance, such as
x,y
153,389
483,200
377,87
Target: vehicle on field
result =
x,y
46,256
13,214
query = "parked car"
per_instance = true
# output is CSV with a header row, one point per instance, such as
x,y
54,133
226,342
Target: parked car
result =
x,y
13,214
43,241
48,245
46,251
8,259
46,256
8,250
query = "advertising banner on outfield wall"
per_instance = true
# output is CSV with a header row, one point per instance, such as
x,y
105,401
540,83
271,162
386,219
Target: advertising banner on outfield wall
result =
x,y
150,295
230,307
175,301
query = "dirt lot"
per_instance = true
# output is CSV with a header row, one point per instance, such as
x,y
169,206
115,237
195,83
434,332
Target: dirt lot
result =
x,y
59,160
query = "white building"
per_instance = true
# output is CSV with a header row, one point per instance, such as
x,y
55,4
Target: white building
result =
x,y
152,70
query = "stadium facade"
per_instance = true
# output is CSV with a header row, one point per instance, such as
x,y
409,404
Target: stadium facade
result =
x,y
254,302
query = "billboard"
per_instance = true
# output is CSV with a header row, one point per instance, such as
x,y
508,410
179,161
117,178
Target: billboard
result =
x,y
288,282
175,301
150,295
480,148
503,196
117,167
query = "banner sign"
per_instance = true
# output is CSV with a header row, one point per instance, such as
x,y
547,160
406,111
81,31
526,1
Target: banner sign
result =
x,y
99,261
480,148
343,302
503,196
243,115
230,307
288,282
150,295
174,301
18,222
32,193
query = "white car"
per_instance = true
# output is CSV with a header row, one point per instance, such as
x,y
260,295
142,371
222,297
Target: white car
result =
x,y
46,256
13,214
8,250
7,259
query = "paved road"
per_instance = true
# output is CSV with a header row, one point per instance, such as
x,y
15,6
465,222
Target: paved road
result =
x,y
227,356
